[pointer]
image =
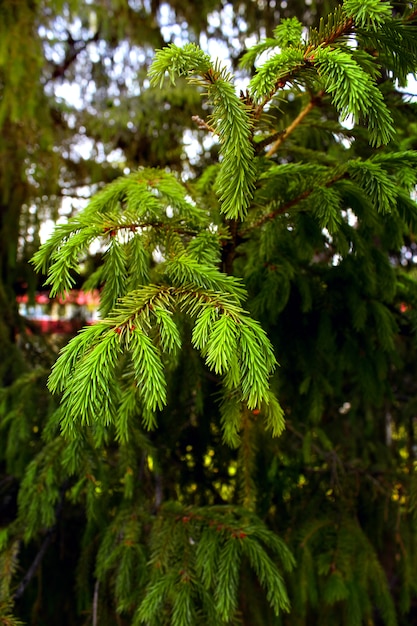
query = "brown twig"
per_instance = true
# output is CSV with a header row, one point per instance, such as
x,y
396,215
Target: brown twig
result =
x,y
134,226
273,149
203,125
260,145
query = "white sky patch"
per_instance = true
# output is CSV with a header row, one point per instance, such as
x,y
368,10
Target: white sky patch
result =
x,y
411,88
47,228
69,205
70,93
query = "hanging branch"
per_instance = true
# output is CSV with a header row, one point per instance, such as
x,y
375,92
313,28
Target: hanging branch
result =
x,y
230,120
290,204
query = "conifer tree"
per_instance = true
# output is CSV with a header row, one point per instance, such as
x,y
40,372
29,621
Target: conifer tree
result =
x,y
207,484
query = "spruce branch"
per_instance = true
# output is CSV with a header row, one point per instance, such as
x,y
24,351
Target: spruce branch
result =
x,y
371,14
178,62
273,75
334,28
287,206
294,63
236,180
395,44
201,548
233,345
354,92
230,120
377,177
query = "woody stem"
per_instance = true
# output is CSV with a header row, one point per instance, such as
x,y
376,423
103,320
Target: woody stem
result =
x,y
291,127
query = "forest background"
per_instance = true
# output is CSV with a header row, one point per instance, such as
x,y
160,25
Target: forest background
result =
x,y
204,509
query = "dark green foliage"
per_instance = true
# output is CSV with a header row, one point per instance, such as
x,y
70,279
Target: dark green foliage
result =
x,y
188,494
196,556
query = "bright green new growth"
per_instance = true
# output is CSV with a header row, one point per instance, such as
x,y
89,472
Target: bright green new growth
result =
x,y
131,347
288,32
130,344
346,72
354,92
230,121
179,62
372,14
